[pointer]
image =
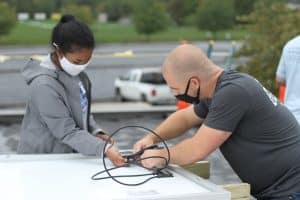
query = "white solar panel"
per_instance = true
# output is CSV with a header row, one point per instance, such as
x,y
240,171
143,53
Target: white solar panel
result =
x,y
68,176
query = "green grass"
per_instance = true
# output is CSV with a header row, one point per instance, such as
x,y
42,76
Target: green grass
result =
x,y
36,33
26,34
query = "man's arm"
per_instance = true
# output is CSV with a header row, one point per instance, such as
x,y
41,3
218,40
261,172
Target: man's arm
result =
x,y
191,150
204,142
175,125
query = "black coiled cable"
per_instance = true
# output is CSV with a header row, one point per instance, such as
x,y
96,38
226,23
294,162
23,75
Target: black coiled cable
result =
x,y
156,172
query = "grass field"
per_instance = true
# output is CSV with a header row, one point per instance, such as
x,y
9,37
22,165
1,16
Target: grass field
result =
x,y
38,33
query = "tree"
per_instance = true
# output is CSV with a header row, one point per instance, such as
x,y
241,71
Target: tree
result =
x,y
244,7
179,9
215,15
273,24
32,6
115,9
7,18
150,17
82,13
24,6
43,6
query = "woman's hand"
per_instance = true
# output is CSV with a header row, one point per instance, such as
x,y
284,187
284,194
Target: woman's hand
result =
x,y
115,156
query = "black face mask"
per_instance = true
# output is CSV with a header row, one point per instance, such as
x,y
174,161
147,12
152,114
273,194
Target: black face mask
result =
x,y
187,98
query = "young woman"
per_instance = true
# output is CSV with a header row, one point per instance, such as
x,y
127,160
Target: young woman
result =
x,y
57,118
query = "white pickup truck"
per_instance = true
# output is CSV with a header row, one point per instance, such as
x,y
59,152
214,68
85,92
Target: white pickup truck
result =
x,y
145,84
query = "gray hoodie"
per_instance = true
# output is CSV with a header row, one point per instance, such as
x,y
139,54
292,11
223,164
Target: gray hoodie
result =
x,y
53,122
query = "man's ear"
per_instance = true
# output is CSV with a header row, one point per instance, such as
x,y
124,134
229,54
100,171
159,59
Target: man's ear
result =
x,y
195,81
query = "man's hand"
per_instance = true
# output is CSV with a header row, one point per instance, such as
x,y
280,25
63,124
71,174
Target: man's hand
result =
x,y
154,162
115,156
143,143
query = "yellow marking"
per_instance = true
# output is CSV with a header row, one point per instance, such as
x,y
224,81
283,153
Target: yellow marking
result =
x,y
4,58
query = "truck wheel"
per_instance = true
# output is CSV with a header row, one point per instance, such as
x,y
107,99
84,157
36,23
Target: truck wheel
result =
x,y
144,98
118,96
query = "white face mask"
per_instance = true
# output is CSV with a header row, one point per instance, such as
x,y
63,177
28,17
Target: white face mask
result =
x,y
71,68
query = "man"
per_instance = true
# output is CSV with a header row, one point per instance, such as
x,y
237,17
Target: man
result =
x,y
258,136
288,74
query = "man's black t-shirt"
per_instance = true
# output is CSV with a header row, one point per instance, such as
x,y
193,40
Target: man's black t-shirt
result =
x,y
264,147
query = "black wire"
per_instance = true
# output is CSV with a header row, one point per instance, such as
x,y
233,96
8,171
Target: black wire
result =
x,y
94,177
137,162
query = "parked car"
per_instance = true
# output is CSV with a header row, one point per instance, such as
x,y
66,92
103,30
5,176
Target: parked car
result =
x,y
146,84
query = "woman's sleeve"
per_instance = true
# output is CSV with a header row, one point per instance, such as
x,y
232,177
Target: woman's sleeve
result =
x,y
94,127
57,117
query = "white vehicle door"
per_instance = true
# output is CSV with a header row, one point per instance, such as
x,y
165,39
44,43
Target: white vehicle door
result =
x,y
134,84
131,86
123,84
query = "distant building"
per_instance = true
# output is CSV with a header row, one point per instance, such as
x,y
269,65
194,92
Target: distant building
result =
x,y
294,5
102,17
23,16
40,16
